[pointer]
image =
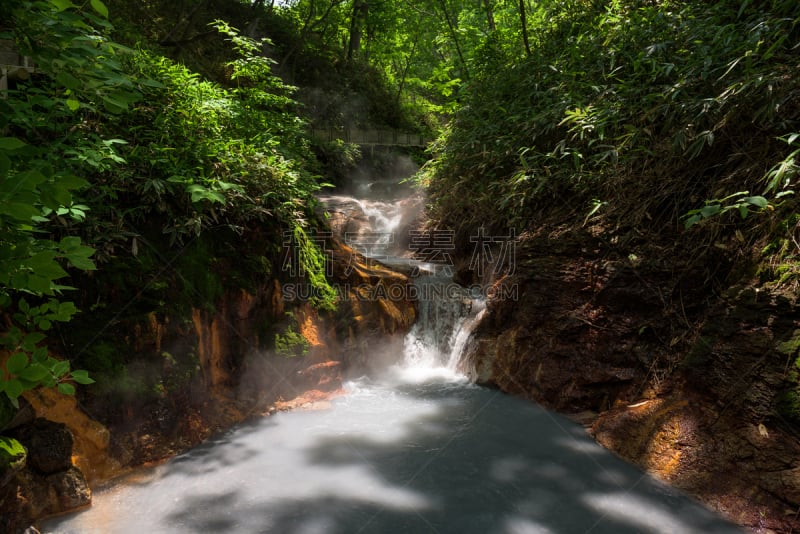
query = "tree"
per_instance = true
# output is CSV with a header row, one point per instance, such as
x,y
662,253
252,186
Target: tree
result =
x,y
358,19
523,19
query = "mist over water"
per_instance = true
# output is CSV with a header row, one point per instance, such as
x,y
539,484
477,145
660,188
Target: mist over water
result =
x,y
413,448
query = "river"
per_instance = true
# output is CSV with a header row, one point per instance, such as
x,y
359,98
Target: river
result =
x,y
413,449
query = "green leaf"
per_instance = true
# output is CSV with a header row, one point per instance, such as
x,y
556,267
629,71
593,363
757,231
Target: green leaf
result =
x,y
10,143
39,355
710,211
81,262
55,195
19,211
82,377
73,104
5,164
28,180
69,81
66,389
60,368
100,7
757,201
17,362
69,243
38,284
35,373
31,340
12,452
114,105
70,181
44,264
65,311
199,193
62,5
14,389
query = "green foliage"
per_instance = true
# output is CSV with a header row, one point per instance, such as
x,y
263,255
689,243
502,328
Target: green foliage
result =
x,y
291,343
38,185
789,400
312,262
12,453
740,202
338,159
651,102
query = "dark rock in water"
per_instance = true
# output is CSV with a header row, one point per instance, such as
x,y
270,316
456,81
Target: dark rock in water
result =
x,y
49,445
71,489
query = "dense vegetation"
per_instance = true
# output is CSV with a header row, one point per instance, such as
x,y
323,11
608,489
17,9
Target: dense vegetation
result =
x,y
122,155
158,156
636,110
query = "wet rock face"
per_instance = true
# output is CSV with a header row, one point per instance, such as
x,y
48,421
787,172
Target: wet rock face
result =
x,y
572,332
701,389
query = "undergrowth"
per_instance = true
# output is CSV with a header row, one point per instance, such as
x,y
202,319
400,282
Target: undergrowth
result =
x,y
631,113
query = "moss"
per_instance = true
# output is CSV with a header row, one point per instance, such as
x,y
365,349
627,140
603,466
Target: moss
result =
x,y
700,352
788,404
291,344
12,454
792,346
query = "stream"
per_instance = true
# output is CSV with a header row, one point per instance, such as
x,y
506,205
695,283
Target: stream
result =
x,y
415,448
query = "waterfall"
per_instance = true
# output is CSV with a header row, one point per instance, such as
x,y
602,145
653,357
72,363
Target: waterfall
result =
x,y
447,315
374,223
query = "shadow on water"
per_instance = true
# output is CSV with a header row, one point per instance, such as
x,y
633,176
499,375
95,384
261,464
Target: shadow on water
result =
x,y
412,458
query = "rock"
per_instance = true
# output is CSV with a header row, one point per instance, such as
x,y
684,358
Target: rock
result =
x,y
49,445
24,415
324,376
12,417
71,490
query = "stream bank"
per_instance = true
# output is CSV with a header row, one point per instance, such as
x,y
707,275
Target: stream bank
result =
x,y
686,381
194,376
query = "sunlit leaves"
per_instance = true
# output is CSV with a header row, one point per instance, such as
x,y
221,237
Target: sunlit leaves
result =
x,y
100,7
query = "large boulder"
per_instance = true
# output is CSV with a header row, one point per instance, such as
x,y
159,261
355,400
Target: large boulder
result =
x,y
49,445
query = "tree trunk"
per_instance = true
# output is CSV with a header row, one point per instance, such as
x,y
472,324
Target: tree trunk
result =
x,y
359,16
523,18
490,15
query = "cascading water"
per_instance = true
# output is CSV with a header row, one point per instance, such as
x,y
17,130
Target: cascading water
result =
x,y
447,314
417,450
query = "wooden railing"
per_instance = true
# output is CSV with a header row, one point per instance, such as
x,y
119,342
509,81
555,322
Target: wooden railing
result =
x,y
370,137
13,66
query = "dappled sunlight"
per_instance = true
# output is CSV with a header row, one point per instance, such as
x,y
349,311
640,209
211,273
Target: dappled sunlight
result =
x,y
665,514
400,456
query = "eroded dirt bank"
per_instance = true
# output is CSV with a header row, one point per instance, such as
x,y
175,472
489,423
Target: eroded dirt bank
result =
x,y
687,380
